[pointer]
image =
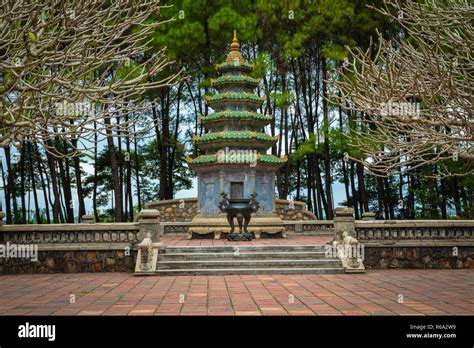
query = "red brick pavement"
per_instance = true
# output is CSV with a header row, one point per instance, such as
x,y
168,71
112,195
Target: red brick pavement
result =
x,y
425,292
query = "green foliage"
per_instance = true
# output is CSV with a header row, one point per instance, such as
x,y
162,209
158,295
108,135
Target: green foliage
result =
x,y
283,100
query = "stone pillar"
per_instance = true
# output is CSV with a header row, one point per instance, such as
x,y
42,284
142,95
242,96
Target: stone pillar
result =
x,y
368,216
149,222
88,219
221,181
274,210
251,181
343,222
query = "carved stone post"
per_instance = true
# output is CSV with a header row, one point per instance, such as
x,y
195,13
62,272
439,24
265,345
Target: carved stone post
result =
x,y
349,250
343,222
88,219
368,216
150,246
149,221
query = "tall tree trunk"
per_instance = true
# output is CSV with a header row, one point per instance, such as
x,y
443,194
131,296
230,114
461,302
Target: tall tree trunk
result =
x,y
137,170
33,183
343,163
388,198
66,182
11,185
319,187
361,185
455,191
355,193
311,191
444,209
382,207
43,184
94,187
6,187
115,175
54,183
174,149
80,191
128,163
120,167
22,183
327,157
163,146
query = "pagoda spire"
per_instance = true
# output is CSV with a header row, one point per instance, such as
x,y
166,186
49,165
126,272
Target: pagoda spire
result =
x,y
235,46
234,53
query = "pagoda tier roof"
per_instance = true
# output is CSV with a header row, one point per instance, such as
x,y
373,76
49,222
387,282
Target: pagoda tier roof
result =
x,y
235,97
237,136
262,159
236,115
233,139
234,65
234,80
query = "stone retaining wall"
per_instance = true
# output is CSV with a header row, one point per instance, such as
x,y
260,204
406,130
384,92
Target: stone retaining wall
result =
x,y
175,210
418,257
74,261
65,248
416,243
183,210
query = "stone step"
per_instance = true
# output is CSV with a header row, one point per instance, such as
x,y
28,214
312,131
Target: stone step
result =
x,y
243,248
285,263
246,259
242,255
243,271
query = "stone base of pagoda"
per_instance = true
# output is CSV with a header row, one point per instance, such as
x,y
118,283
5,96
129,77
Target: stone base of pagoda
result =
x,y
218,225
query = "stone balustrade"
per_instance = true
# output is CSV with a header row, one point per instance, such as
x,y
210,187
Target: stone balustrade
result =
x,y
414,232
85,247
313,227
70,236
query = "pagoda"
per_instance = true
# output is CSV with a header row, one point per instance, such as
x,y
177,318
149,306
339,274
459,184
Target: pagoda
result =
x,y
235,145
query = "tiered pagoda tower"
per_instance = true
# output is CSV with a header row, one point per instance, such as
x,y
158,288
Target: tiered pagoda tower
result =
x,y
235,159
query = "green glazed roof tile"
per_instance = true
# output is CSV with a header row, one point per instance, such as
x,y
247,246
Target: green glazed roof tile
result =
x,y
235,79
235,114
234,64
236,159
245,135
234,95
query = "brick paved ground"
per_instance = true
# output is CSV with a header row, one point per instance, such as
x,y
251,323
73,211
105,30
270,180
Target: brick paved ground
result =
x,y
291,239
425,292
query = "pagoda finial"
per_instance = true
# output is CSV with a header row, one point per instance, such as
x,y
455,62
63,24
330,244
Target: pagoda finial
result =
x,y
235,43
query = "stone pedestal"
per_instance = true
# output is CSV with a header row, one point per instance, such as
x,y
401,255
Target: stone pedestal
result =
x,y
217,224
88,219
368,216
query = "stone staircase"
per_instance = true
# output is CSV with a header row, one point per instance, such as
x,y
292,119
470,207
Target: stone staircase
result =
x,y
246,259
